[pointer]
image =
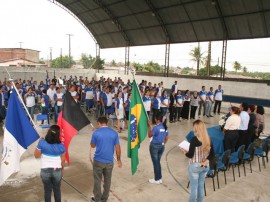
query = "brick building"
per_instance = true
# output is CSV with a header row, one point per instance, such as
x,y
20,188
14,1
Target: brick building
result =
x,y
8,54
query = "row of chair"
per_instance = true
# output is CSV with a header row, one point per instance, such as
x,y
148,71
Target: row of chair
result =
x,y
236,159
231,160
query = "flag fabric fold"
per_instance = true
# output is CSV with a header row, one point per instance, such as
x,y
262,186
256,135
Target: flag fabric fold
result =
x,y
137,127
71,119
19,133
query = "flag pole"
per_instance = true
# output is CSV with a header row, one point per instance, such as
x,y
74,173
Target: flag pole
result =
x,y
20,98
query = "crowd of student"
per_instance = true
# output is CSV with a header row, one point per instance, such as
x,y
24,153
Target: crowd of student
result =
x,y
107,97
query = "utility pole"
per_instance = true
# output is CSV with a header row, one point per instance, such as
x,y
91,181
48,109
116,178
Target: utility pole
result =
x,y
61,58
50,56
20,44
209,59
69,45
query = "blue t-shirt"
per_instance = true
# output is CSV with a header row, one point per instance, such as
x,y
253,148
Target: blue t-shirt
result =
x,y
159,133
128,105
105,140
51,149
46,100
104,98
156,103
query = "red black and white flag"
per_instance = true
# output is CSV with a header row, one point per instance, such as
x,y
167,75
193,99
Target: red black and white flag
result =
x,y
71,119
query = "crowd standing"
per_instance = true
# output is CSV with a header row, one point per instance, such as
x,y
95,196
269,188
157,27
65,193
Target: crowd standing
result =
x,y
111,99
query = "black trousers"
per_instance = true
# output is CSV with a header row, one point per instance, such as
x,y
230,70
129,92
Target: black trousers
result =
x,y
172,110
230,140
217,104
178,112
243,139
193,111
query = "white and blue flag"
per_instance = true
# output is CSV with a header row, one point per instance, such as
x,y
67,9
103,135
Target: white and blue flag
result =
x,y
19,133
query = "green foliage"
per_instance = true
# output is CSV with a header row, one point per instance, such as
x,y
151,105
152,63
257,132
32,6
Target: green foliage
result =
x,y
213,70
237,66
92,62
244,69
197,56
63,62
148,67
41,61
85,60
113,63
97,62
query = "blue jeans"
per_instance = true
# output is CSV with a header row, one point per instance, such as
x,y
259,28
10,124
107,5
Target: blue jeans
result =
x,y
197,178
209,106
31,111
164,110
156,151
51,179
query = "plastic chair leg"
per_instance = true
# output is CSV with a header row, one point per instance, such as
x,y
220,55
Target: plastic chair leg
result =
x,y
225,177
259,163
244,169
238,170
217,180
233,173
263,162
214,183
250,166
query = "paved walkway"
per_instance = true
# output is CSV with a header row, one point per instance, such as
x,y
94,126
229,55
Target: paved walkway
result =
x,y
77,184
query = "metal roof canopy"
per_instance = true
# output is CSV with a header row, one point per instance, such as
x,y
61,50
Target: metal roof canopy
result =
x,y
120,23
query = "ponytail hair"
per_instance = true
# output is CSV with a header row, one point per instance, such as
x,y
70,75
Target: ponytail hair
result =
x,y
160,118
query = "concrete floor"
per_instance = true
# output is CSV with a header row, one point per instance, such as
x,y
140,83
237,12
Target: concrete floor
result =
x,y
77,184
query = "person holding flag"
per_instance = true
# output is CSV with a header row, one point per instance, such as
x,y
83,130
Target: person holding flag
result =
x,y
159,135
52,154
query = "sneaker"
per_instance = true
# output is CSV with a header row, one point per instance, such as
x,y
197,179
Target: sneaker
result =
x,y
93,199
160,181
153,181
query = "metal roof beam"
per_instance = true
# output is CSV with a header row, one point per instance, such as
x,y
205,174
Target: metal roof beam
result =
x,y
196,36
115,21
223,23
263,18
159,19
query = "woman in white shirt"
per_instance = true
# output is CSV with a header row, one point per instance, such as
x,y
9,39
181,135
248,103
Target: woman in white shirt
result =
x,y
231,129
30,102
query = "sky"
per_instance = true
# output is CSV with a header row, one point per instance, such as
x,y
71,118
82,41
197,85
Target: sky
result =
x,y
41,25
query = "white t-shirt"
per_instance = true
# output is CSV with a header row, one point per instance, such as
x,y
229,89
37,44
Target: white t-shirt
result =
x,y
59,96
233,122
89,94
244,120
30,100
109,99
51,93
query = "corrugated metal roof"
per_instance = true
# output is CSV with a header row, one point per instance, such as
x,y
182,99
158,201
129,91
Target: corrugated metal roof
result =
x,y
116,23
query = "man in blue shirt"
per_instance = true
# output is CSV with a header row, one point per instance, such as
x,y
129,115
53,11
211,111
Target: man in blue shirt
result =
x,y
202,101
218,95
105,140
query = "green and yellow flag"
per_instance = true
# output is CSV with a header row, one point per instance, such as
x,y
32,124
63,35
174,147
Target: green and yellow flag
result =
x,y
137,127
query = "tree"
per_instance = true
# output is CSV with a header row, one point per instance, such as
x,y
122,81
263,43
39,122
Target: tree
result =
x,y
152,67
237,66
62,62
113,63
138,67
85,60
96,62
244,69
197,56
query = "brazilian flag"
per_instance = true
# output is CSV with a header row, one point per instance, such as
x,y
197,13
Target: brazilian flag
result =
x,y
137,127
